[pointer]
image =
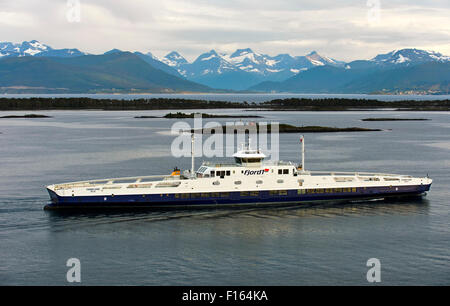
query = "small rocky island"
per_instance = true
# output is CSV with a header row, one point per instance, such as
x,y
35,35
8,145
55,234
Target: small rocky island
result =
x,y
25,116
147,117
394,119
180,115
287,128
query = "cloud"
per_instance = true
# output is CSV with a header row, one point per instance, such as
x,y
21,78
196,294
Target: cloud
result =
x,y
16,20
339,29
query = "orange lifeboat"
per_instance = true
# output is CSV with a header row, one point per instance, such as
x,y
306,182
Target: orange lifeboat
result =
x,y
175,172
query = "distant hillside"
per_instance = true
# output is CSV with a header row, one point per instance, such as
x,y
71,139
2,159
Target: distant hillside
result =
x,y
323,79
114,72
428,77
150,59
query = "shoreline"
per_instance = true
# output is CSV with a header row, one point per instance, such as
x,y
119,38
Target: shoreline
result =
x,y
291,104
394,119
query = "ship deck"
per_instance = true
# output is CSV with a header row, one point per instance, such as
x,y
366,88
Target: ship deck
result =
x,y
358,176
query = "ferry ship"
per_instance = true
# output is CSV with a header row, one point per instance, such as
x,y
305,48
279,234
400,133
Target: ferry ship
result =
x,y
249,180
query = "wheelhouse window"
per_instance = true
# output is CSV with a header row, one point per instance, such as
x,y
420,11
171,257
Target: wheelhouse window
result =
x,y
220,173
241,160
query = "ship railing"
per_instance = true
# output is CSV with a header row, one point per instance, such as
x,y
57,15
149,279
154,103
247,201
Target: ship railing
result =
x,y
360,174
122,180
280,163
266,163
220,164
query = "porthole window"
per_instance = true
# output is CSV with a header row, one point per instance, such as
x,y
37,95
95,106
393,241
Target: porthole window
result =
x,y
259,182
216,183
280,181
237,182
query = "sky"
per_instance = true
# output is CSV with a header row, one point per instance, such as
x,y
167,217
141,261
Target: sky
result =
x,y
344,30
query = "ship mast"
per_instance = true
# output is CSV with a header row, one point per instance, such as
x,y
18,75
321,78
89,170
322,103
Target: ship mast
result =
x,y
192,154
302,140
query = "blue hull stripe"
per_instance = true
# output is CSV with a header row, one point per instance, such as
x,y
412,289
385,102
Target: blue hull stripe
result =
x,y
237,197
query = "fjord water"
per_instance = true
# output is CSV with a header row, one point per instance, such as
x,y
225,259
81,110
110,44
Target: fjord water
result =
x,y
301,245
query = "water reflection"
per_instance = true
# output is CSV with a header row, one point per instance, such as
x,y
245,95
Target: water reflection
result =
x,y
62,219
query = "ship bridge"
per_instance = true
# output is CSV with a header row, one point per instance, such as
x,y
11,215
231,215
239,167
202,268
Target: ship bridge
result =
x,y
246,161
249,158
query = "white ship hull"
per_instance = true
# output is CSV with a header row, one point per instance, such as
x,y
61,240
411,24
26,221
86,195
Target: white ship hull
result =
x,y
240,189
248,181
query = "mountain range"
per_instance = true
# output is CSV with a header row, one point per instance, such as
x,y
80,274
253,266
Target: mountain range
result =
x,y
244,67
121,72
35,48
31,66
400,71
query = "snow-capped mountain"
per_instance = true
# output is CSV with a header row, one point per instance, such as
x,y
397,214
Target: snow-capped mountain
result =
x,y
176,61
409,57
157,63
399,58
244,68
208,67
210,63
247,60
400,71
149,54
35,48
253,62
238,70
112,51
318,60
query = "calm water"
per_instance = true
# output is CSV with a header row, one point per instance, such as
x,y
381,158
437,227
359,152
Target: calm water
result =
x,y
322,244
257,98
